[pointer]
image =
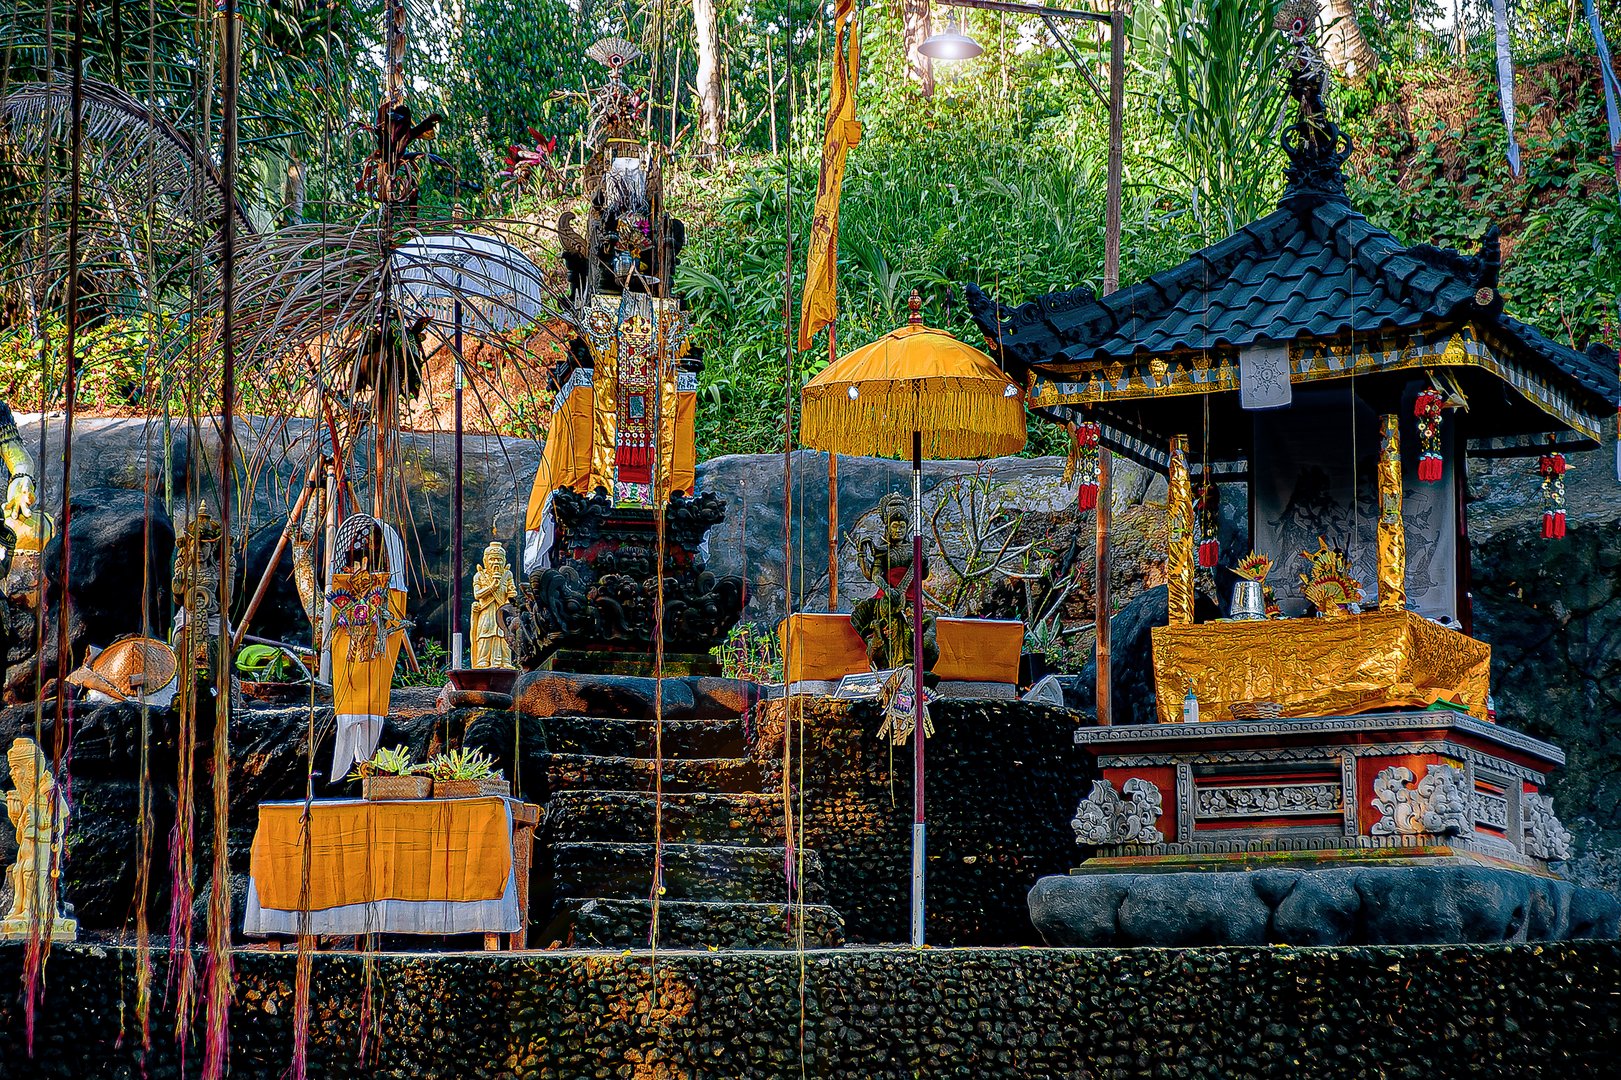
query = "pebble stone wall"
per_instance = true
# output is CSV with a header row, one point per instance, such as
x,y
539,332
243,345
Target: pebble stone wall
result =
x,y
1429,1013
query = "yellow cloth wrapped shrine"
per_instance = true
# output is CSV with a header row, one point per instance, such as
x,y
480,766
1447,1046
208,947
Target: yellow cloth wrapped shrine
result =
x,y
1319,667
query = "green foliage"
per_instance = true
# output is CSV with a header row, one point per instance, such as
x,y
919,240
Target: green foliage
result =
x,y
1216,65
1430,166
432,664
751,652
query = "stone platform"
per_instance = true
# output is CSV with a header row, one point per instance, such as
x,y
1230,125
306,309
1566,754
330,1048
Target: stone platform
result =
x,y
873,1014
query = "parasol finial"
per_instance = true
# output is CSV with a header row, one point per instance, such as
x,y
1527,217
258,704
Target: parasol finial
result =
x,y
914,309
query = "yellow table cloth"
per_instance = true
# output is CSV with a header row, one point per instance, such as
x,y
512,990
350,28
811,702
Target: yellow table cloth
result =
x,y
1319,667
452,850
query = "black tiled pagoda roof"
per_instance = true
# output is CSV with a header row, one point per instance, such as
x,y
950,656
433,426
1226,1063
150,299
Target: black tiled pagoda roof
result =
x,y
1313,272
1314,268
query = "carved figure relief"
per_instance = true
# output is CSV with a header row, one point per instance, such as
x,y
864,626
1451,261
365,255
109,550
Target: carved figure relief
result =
x,y
1441,804
1545,836
1105,817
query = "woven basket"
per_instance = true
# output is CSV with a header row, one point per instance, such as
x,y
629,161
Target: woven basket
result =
x,y
378,788
469,789
1256,710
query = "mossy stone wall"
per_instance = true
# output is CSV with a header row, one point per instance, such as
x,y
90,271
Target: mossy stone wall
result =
x,y
1421,1012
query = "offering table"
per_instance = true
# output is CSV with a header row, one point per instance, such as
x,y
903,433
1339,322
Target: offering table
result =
x,y
430,866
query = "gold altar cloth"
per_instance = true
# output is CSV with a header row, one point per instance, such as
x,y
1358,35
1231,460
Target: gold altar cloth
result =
x,y
1319,667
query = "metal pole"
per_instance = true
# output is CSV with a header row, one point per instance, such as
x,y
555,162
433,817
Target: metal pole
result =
x,y
918,828
1111,282
456,498
1117,93
832,505
1100,592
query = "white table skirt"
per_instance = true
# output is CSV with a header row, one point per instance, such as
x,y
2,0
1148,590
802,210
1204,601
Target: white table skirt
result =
x,y
499,916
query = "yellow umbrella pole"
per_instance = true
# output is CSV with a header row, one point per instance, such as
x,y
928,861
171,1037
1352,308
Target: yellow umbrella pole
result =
x,y
918,827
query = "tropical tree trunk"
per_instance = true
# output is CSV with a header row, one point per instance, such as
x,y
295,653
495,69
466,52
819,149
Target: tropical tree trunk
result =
x,y
915,28
1345,46
710,118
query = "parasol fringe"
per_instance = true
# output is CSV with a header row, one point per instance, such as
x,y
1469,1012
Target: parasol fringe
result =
x,y
968,422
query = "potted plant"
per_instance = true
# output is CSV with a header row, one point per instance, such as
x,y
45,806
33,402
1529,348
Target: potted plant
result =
x,y
463,774
389,774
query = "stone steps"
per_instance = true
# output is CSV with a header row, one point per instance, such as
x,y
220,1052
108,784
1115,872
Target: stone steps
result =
x,y
741,819
690,924
612,773
623,871
724,877
611,737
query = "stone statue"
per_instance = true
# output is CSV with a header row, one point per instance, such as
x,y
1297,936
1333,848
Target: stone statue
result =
x,y
881,619
40,814
493,592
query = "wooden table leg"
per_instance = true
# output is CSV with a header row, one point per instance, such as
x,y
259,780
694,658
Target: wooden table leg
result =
x,y
492,942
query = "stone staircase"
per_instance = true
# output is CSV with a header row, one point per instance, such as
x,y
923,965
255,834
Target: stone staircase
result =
x,y
724,883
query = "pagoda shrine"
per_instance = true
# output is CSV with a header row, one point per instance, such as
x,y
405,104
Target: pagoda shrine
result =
x,y
1337,381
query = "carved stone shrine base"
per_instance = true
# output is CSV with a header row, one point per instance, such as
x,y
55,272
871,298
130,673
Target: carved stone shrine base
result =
x,y
1378,788
63,928
597,607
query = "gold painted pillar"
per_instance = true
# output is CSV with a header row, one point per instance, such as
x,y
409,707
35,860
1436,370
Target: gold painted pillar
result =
x,y
1392,535
1179,535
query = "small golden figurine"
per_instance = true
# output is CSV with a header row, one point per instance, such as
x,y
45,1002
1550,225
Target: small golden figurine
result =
x,y
493,593
40,814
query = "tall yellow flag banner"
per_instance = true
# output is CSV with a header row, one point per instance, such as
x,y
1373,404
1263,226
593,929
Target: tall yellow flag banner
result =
x,y
821,299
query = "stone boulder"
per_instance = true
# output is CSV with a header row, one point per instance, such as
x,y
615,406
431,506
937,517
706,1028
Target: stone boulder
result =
x,y
1387,905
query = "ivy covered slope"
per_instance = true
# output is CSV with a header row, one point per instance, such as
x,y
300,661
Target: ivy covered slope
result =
x,y
1001,181
1431,167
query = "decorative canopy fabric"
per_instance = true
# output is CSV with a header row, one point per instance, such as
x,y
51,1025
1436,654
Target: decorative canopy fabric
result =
x,y
913,379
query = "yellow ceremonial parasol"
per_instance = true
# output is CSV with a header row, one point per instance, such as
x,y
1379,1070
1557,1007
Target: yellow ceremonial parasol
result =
x,y
913,380
921,391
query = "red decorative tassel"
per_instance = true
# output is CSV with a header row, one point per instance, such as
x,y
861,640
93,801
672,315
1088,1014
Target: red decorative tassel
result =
x,y
1205,508
1087,435
1551,467
1427,409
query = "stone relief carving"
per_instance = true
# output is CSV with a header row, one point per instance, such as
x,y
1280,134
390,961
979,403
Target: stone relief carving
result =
x,y
1229,802
1545,837
1104,817
1491,810
1441,804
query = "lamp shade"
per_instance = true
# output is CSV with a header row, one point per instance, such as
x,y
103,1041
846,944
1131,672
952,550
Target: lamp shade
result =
x,y
950,46
871,400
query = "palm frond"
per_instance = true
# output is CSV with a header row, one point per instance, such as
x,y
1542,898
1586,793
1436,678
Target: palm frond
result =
x,y
131,149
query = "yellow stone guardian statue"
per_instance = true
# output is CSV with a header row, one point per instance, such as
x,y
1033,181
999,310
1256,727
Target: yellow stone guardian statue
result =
x,y
493,589
40,815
